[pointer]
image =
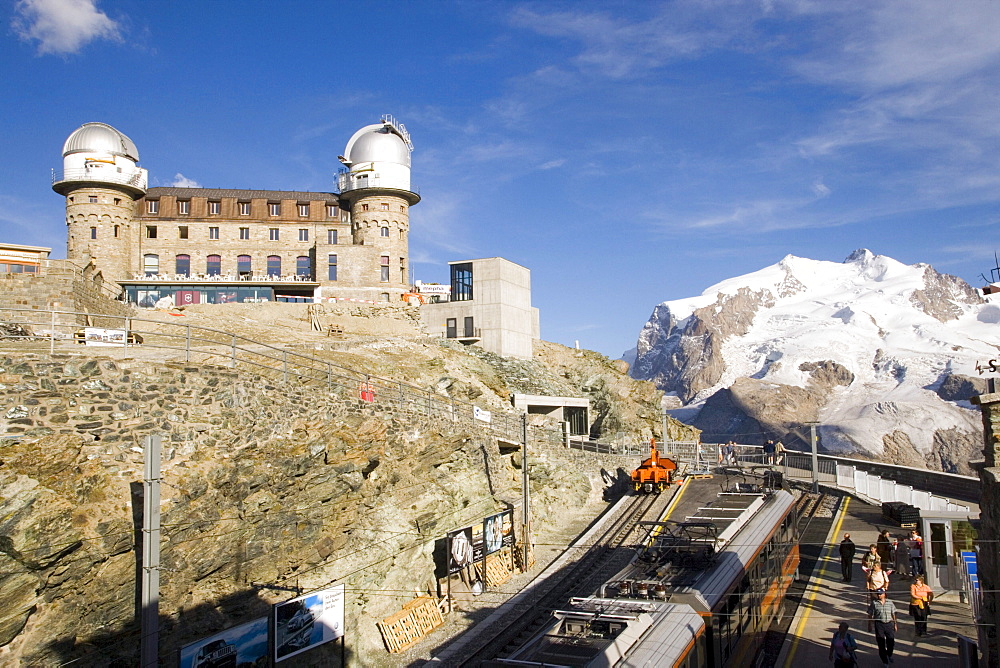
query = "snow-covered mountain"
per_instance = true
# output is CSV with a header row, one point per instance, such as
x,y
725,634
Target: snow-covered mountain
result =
x,y
881,354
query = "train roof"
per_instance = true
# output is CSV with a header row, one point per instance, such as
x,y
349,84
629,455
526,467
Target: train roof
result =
x,y
698,559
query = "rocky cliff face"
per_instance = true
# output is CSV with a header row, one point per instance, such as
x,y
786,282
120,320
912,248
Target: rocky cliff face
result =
x,y
268,488
878,352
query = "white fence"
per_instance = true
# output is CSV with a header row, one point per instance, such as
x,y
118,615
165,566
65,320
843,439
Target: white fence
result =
x,y
878,489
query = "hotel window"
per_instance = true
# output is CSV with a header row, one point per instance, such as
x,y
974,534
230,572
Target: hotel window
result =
x,y
153,206
182,232
274,234
118,201
92,199
384,261
214,208
402,270
274,208
116,231
384,231
93,233
183,207
402,208
331,267
304,210
213,265
303,266
244,208
244,233
384,297
213,233
303,235
274,265
331,237
243,266
331,211
385,206
182,265
364,207
151,231
151,265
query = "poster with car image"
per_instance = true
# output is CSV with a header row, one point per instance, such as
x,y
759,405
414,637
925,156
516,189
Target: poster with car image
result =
x,y
241,645
498,531
307,621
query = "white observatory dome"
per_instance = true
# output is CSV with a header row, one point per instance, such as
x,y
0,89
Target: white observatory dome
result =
x,y
377,143
100,138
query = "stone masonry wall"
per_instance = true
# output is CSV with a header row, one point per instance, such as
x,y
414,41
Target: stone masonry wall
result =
x,y
988,559
62,288
267,489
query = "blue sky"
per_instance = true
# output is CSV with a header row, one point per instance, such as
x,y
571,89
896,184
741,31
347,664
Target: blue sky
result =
x,y
626,152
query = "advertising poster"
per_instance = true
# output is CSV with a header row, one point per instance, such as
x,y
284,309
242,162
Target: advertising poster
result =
x,y
499,531
95,336
241,645
477,542
307,621
459,549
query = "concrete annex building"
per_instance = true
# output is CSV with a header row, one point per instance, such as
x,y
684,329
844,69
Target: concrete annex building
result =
x,y
204,245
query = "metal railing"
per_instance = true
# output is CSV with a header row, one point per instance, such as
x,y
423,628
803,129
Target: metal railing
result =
x,y
135,179
129,337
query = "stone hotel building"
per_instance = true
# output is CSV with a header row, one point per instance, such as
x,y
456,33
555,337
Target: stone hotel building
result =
x,y
202,245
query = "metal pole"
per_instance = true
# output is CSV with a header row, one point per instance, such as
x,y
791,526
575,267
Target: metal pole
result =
x,y
232,362
815,458
128,326
663,431
525,494
187,344
52,334
150,552
284,363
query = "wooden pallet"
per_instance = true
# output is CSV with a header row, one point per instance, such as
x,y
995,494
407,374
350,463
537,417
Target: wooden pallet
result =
x,y
408,626
908,525
701,476
498,569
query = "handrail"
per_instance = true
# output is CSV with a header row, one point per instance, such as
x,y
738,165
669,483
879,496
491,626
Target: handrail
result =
x,y
222,345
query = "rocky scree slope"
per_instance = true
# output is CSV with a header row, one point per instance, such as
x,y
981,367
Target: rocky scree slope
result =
x,y
267,488
880,353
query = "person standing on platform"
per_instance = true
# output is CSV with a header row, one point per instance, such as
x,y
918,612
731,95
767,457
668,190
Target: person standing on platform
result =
x,y
903,558
883,546
920,604
847,550
916,544
870,559
843,648
769,450
882,619
878,580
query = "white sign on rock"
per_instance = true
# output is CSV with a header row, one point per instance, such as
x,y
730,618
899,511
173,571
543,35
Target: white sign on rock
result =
x,y
481,414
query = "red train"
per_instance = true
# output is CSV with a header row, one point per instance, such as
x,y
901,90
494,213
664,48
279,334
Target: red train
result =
x,y
655,473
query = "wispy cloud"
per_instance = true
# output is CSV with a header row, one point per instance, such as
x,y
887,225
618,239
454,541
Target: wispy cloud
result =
x,y
63,26
552,164
181,181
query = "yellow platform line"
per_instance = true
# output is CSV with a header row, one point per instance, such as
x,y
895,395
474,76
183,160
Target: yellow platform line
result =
x,y
815,585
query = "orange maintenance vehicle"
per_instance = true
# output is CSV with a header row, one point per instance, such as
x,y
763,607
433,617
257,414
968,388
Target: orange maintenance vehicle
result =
x,y
655,473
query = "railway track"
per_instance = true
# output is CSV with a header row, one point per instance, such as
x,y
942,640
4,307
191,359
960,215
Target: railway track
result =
x,y
607,551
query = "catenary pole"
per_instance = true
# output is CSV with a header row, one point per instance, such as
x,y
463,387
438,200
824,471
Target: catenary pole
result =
x,y
815,458
150,618
525,494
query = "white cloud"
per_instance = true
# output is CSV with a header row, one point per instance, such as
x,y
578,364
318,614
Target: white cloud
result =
x,y
820,189
63,26
181,181
552,164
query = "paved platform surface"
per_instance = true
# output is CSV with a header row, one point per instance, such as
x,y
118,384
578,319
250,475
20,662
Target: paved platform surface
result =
x,y
828,600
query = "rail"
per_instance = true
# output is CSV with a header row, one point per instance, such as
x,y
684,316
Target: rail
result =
x,y
122,336
136,179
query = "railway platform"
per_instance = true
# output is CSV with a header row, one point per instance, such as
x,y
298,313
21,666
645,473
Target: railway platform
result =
x,y
828,600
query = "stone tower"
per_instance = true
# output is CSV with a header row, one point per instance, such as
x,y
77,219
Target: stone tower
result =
x,y
376,187
101,181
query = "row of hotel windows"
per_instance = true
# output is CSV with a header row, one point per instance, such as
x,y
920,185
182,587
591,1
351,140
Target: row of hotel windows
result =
x,y
215,208
244,266
274,233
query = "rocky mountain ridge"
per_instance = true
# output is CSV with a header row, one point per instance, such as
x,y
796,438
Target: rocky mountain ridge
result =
x,y
880,353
